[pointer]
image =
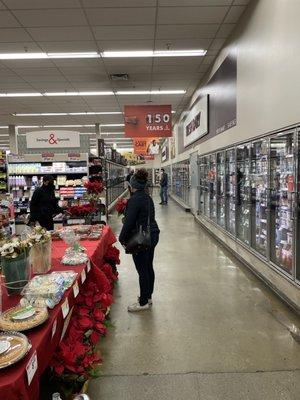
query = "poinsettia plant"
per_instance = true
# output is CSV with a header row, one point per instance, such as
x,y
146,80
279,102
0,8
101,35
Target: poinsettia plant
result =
x,y
95,187
81,210
121,206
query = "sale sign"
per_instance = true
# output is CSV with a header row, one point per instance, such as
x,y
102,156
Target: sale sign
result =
x,y
146,146
148,121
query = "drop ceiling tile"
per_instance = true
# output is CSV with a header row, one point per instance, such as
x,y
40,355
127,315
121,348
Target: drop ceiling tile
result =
x,y
95,85
9,87
217,44
241,2
225,30
72,46
121,16
38,4
191,15
130,62
47,71
53,17
28,63
7,20
182,44
174,76
199,3
208,59
79,62
234,14
119,45
178,61
61,34
14,35
174,69
48,78
129,69
118,3
186,31
19,47
81,70
141,32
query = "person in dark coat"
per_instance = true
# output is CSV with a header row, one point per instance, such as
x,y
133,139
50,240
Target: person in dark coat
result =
x,y
44,205
164,187
137,211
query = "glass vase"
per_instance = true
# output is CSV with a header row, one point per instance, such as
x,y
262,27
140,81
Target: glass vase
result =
x,y
16,272
40,257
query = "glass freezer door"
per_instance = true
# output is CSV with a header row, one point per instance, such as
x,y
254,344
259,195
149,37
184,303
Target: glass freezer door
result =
x,y
259,196
221,189
206,187
212,187
201,184
230,181
243,193
282,185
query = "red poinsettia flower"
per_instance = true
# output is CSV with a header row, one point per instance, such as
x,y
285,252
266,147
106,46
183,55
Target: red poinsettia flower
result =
x,y
98,315
121,206
94,187
85,323
95,336
100,328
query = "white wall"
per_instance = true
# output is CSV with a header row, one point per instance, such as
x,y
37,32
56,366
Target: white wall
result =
x,y
267,41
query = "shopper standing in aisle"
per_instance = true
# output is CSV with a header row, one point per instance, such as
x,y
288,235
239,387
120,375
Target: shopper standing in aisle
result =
x,y
128,178
44,205
140,211
164,187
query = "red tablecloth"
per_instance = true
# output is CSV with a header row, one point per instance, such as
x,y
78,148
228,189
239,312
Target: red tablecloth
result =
x,y
13,380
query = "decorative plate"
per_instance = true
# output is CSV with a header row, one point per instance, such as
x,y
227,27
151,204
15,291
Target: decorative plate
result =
x,y
7,323
19,346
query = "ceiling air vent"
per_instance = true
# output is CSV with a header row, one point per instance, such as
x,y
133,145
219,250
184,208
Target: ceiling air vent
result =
x,y
119,77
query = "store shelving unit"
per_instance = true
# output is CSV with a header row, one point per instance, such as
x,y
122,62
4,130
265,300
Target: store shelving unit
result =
x,y
181,180
25,174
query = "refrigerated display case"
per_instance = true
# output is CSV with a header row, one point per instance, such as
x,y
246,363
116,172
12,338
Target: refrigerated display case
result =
x,y
206,186
230,193
181,180
220,190
212,175
297,211
243,193
201,163
259,189
282,190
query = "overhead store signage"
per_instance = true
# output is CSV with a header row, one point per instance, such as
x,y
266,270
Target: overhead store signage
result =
x,y
195,124
52,139
146,147
165,151
148,121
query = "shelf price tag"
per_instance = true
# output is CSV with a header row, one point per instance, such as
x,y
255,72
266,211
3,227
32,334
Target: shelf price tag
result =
x,y
75,289
65,308
31,367
83,276
88,266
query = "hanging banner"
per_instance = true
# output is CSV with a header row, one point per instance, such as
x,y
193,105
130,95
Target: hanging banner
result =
x,y
196,123
146,146
148,121
52,139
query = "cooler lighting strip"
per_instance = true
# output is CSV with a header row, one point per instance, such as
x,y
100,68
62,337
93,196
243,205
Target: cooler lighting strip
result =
x,y
105,54
102,93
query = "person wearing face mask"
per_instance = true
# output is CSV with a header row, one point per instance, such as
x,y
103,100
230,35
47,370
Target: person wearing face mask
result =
x,y
44,204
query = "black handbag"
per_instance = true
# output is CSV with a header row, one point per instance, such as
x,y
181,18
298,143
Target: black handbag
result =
x,y
141,240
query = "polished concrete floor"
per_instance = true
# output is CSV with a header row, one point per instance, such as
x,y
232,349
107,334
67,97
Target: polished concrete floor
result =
x,y
215,331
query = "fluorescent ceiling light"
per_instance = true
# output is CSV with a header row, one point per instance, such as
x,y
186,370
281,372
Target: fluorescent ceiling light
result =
x,y
20,94
4,127
78,93
145,92
156,53
105,54
105,125
42,56
104,93
70,113
69,126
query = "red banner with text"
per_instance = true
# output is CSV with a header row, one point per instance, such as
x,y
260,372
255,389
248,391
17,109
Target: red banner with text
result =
x,y
148,121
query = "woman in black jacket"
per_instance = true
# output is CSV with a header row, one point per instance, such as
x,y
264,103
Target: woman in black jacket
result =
x,y
138,208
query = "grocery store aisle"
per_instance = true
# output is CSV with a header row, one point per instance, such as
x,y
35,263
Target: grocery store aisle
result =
x,y
215,331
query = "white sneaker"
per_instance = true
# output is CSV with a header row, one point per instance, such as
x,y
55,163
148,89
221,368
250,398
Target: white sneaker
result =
x,y
150,301
137,307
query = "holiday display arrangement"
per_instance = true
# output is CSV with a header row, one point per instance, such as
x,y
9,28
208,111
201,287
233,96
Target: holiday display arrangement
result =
x,y
64,311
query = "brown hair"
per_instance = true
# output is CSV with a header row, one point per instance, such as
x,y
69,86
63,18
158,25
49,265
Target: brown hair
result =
x,y
141,175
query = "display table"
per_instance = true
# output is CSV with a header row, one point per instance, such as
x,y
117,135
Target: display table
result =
x,y
44,339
